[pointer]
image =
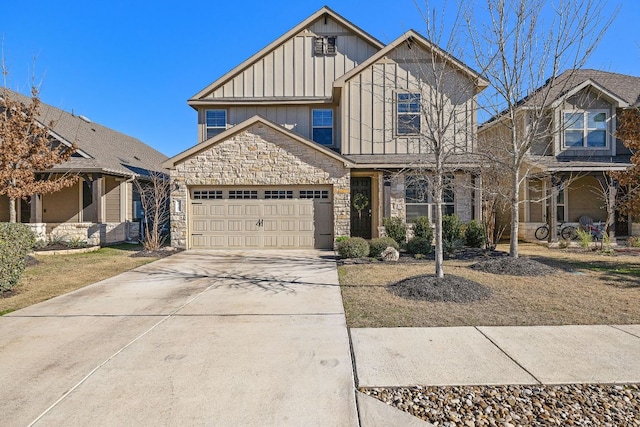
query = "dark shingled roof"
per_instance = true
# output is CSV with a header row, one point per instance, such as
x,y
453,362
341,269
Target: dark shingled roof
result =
x,y
560,163
110,151
462,161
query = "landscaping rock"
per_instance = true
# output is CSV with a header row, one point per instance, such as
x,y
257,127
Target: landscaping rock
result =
x,y
390,254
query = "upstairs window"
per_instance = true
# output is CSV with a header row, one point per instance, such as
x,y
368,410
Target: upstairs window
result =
x,y
322,124
408,117
216,122
324,45
585,129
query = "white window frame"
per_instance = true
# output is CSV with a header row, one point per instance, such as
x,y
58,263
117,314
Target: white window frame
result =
x,y
217,128
325,45
586,129
449,182
313,127
400,115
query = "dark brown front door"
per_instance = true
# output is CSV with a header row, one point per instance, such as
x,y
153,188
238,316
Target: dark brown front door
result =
x,y
361,207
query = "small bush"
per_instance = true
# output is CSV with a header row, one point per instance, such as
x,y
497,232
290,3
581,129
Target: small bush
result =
x,y
377,246
341,239
396,229
76,243
452,239
584,237
474,234
353,247
422,228
633,242
419,245
16,240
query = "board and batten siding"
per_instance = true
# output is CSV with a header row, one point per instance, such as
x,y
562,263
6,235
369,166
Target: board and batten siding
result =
x,y
369,107
293,70
111,199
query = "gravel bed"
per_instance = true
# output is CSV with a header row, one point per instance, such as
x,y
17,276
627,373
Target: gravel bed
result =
x,y
514,267
511,406
450,288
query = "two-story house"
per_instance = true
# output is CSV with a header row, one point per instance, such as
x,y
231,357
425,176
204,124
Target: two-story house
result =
x,y
316,136
568,167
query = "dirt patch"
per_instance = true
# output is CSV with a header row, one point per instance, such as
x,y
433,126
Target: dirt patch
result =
x,y
450,288
514,267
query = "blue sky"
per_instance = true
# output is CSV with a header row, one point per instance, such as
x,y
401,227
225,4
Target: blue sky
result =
x,y
131,65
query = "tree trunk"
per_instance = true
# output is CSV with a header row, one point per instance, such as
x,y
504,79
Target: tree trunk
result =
x,y
439,258
515,218
13,216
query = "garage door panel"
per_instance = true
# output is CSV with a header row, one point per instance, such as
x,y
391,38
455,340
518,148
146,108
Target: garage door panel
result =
x,y
263,223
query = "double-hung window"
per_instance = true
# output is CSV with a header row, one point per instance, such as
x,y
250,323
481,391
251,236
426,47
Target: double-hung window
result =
x,y
322,124
585,129
216,122
408,113
419,200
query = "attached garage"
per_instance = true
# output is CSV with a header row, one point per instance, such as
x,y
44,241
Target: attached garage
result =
x,y
283,217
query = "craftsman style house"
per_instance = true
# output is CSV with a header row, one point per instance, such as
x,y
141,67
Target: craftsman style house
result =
x,y
320,135
568,169
103,205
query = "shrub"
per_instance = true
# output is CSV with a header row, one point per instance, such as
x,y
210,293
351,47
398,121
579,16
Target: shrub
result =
x,y
422,228
451,233
341,239
474,234
395,228
633,242
419,245
353,247
377,246
584,237
16,240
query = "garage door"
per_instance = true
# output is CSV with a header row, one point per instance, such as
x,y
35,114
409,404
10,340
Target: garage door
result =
x,y
261,218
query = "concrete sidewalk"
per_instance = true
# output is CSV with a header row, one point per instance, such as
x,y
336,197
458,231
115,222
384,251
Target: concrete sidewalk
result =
x,y
389,357
201,338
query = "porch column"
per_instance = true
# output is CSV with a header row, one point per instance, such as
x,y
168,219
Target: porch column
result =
x,y
36,208
97,189
553,209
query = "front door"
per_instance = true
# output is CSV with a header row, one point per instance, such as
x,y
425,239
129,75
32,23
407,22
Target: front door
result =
x,y
361,207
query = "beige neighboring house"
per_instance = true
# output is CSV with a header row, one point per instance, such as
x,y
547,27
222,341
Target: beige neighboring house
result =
x,y
103,206
290,137
568,170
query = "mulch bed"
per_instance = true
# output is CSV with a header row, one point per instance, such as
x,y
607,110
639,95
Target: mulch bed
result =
x,y
160,253
514,267
450,288
406,258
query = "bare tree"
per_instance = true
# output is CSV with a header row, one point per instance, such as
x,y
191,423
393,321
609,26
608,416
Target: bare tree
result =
x,y
27,149
154,198
629,132
523,55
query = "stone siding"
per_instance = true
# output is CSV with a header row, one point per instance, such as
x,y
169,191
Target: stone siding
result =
x,y
91,233
258,155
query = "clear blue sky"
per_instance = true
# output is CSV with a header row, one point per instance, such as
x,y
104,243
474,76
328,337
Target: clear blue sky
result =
x,y
131,65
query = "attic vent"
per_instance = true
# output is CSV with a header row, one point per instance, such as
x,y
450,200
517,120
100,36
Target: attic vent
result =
x,y
325,45
84,118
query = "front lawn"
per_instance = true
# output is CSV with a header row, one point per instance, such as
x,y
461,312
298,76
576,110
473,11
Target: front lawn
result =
x,y
588,288
58,274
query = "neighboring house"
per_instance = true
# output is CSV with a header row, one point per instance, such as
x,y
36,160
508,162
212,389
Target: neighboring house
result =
x,y
568,169
290,136
103,205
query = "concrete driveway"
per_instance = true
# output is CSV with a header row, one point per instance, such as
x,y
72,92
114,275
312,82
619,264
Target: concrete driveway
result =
x,y
200,338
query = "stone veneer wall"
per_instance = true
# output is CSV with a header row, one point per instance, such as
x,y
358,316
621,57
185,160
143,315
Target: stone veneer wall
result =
x,y
91,233
258,155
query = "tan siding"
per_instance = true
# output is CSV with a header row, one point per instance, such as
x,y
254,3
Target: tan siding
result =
x,y
295,118
112,199
536,208
584,199
62,206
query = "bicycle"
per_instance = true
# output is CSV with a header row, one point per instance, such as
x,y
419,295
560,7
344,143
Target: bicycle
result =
x,y
596,230
568,232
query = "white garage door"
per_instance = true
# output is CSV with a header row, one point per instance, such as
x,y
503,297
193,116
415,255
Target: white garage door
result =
x,y
261,218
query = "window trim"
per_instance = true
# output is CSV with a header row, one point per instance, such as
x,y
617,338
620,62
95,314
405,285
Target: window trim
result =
x,y
322,46
313,127
218,129
449,181
413,96
585,129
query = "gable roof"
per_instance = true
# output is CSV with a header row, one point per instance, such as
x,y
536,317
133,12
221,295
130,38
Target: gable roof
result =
x,y
101,149
414,36
324,11
257,119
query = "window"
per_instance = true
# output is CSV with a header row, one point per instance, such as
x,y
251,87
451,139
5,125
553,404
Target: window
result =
x,y
408,108
216,122
278,194
243,194
207,194
322,124
585,129
560,203
325,45
314,194
419,201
